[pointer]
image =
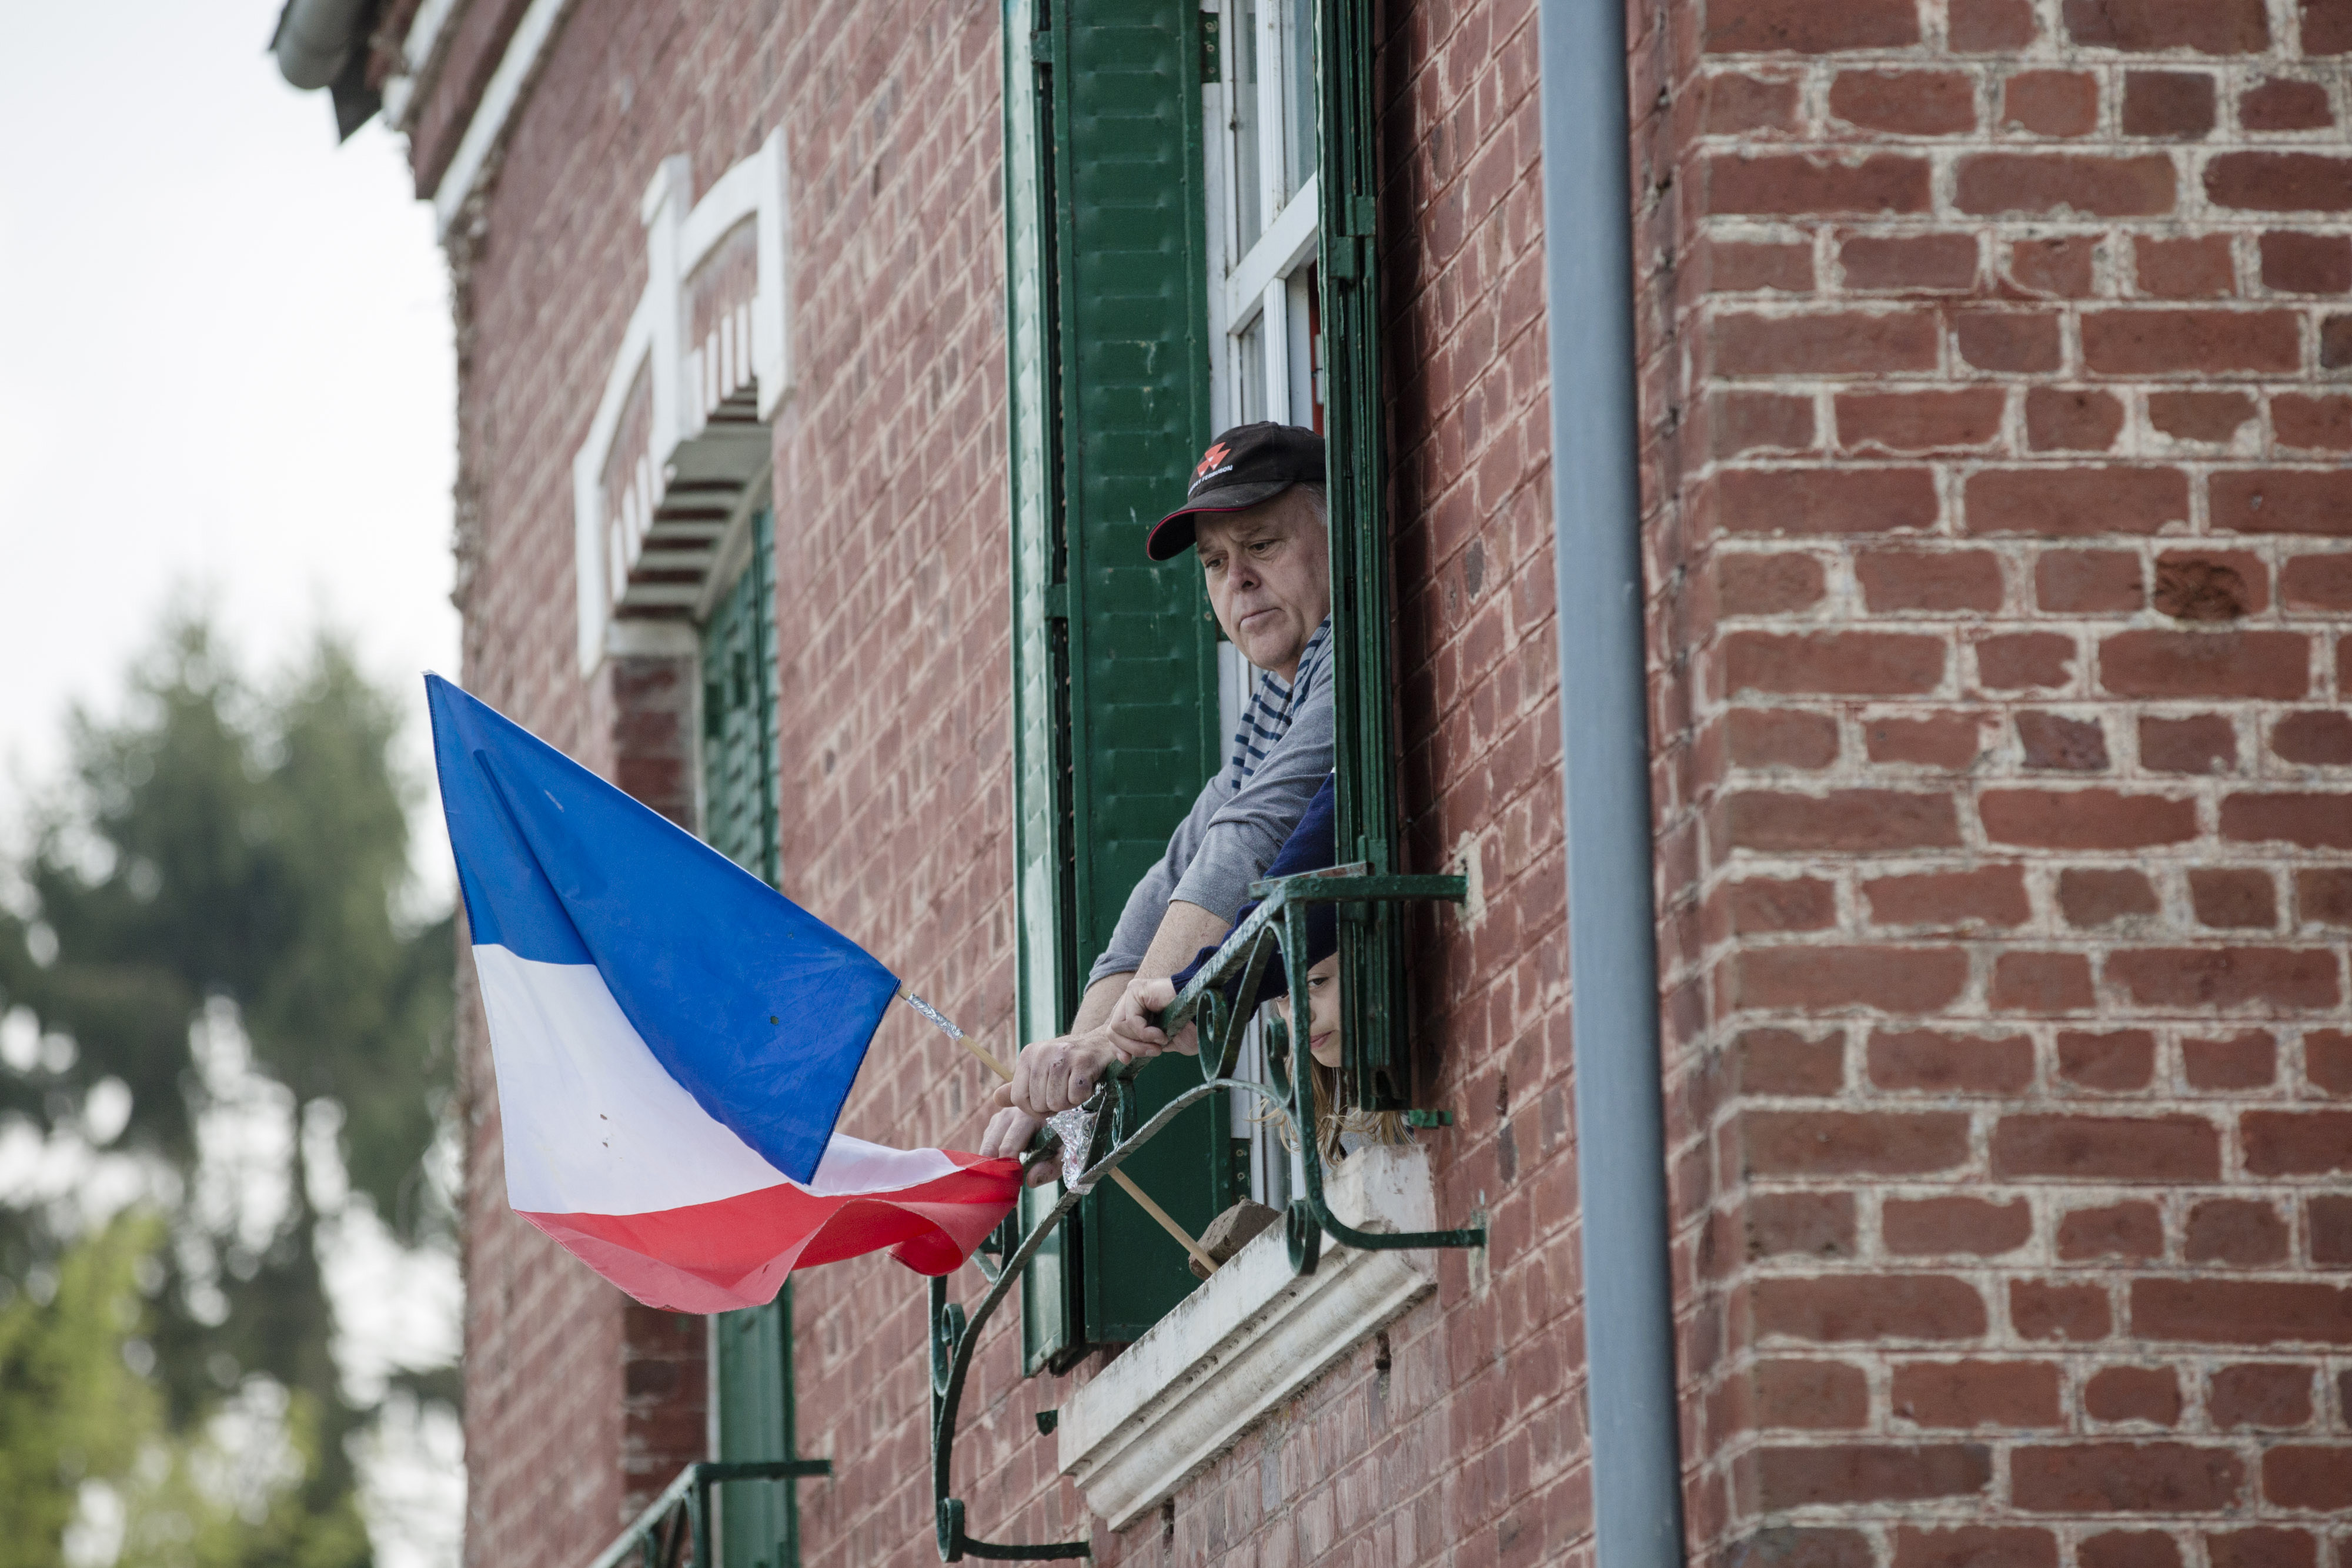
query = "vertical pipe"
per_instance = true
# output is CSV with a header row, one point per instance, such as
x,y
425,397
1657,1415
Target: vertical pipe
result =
x,y
1611,916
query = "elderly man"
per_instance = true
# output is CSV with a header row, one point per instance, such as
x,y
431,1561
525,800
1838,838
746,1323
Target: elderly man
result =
x,y
1256,515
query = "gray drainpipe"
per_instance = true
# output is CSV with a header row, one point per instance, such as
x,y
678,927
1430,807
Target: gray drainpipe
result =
x,y
1621,1169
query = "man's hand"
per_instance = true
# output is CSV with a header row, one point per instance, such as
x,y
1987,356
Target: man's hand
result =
x,y
1008,1137
1055,1075
1131,1027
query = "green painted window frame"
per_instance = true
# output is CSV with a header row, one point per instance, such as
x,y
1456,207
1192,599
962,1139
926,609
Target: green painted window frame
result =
x,y
752,1393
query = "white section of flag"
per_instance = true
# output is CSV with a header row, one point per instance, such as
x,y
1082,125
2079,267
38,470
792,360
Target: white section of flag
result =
x,y
594,1124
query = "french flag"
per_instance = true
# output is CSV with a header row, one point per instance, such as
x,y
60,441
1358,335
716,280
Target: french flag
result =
x,y
674,1039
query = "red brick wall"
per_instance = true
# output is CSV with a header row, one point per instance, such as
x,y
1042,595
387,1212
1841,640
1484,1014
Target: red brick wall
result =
x,y
1995,383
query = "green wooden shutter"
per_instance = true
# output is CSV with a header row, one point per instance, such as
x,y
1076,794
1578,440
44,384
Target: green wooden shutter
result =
x,y
1364,728
752,1349
1114,657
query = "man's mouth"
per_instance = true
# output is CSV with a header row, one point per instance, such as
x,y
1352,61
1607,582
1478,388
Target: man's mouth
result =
x,y
1253,618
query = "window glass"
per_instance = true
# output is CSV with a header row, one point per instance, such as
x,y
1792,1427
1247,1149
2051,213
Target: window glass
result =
x,y
1299,95
1248,127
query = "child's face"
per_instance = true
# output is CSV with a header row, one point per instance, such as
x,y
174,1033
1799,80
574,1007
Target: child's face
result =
x,y
1322,1012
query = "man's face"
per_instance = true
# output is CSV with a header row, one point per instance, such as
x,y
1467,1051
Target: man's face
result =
x,y
1269,571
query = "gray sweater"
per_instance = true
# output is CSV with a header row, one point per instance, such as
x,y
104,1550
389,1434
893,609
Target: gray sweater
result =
x,y
1241,819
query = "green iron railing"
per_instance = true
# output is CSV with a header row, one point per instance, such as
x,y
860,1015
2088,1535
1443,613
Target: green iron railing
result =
x,y
680,1518
1279,922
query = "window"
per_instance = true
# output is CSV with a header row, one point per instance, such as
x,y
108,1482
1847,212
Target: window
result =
x,y
1175,254
752,1349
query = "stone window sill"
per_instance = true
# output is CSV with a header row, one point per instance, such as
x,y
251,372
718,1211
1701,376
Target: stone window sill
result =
x,y
1248,1339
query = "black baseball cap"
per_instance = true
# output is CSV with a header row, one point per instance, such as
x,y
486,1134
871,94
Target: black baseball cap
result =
x,y
1245,465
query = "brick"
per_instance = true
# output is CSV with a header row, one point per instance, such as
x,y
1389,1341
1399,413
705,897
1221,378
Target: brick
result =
x,y
1806,1224
2071,419
2317,583
2296,263
1943,263
1945,1063
1852,821
2297,1143
2234,1231
2106,1148
1781,737
2043,659
2044,1312
2150,1394
2039,983
2234,899
1942,1226
2208,27
2204,978
2055,742
1977,1393
1920,421
1823,342
1787,1546
2092,898
2017,343
2283,501
2259,1394
2055,184
1905,103
2326,26
1737,268
2316,821
1991,27
1823,979
2280,181
1975,1546
2130,342
2088,581
2300,1475
1950,740
2212,585
1989,895
1773,905
2232,663
1799,26
2316,739
2324,896
2131,1230
2062,265
2262,1546
2113,1060
2085,819
2127,1549
2335,342
2328,1221
2203,743
2200,268
2051,103
2248,1059
2327,1060
1781,184
1868,1472
1819,1395
2172,104
1752,422
1768,584
1838,664
1737,102
2317,424
2124,1478
1858,1307
2283,103
1894,581
1827,500
2063,502
1782,1061
2214,416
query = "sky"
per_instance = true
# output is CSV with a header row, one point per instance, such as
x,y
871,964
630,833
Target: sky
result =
x,y
226,365
225,379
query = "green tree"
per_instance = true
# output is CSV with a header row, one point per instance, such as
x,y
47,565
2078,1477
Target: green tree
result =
x,y
232,853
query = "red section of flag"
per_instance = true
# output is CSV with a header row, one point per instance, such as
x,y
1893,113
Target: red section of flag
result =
x,y
718,1257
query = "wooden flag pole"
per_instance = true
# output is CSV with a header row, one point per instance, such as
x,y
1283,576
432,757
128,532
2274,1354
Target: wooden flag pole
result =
x,y
1126,1183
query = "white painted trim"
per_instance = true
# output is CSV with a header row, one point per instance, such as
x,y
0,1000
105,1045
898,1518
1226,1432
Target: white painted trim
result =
x,y
416,59
1248,1339
1286,242
488,125
653,640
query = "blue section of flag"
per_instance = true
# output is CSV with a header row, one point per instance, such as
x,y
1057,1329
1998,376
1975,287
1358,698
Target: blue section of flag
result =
x,y
557,865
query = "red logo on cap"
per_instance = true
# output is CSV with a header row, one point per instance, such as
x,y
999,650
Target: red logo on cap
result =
x,y
1210,459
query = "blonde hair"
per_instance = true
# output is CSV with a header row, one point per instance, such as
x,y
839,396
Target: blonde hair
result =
x,y
1331,1125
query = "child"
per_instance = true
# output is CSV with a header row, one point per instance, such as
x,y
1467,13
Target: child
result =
x,y
1338,1131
